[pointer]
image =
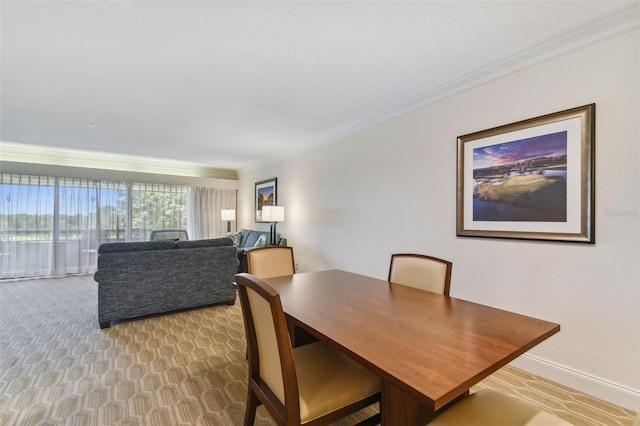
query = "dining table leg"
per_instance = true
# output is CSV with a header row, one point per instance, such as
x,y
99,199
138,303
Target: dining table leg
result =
x,y
399,408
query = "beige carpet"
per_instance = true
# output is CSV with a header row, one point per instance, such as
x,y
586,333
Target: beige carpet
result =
x,y
58,368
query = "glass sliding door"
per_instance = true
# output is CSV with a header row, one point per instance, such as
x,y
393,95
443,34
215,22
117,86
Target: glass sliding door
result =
x,y
77,226
54,225
26,225
112,211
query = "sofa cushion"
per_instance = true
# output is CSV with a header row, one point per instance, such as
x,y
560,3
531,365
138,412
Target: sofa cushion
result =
x,y
249,237
213,242
262,241
136,246
236,237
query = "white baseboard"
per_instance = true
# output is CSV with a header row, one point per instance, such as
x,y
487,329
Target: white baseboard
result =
x,y
597,387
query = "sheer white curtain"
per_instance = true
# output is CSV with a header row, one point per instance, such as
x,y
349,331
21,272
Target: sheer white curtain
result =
x,y
54,225
90,213
26,225
205,205
48,225
76,240
111,222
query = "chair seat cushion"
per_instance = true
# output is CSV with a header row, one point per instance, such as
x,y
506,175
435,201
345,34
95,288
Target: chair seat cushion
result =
x,y
492,408
328,380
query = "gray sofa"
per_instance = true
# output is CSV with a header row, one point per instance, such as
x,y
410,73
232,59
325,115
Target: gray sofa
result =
x,y
152,277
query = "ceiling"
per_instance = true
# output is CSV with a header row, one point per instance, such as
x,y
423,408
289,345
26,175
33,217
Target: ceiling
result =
x,y
232,85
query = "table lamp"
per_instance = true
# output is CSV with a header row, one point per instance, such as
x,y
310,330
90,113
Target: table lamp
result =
x,y
273,214
228,215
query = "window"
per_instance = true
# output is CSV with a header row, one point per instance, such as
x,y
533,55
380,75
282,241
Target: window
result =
x,y
155,206
52,226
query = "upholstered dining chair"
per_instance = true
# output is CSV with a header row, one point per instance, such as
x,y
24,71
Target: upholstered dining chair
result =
x,y
420,271
271,261
310,385
169,234
277,261
488,407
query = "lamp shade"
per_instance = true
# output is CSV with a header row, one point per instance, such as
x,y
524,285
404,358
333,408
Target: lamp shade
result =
x,y
273,213
228,214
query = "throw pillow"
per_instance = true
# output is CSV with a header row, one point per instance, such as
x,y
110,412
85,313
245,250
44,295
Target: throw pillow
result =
x,y
235,237
262,241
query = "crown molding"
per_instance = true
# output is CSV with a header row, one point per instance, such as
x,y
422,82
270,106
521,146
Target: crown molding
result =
x,y
617,23
593,32
35,154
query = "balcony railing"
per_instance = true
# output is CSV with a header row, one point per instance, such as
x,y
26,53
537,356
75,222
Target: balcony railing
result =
x,y
32,253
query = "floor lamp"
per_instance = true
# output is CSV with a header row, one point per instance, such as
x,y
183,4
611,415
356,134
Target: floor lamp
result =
x,y
273,214
228,215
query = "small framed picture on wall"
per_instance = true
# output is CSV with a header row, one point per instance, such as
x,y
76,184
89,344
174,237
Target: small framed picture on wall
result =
x,y
266,195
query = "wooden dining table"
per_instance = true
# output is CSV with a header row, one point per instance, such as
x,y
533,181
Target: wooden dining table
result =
x,y
429,349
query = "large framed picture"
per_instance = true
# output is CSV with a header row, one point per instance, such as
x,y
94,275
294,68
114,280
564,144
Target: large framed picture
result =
x,y
266,193
533,179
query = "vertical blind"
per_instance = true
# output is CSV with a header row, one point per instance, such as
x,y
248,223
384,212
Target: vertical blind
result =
x,y
54,225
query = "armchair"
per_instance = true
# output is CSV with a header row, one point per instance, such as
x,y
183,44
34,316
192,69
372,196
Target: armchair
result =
x,y
168,234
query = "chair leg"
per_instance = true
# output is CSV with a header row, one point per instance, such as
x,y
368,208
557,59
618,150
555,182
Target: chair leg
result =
x,y
252,404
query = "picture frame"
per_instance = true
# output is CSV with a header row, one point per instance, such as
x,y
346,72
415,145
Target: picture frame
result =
x,y
533,179
265,195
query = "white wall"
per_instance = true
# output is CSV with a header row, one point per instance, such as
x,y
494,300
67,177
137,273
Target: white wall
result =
x,y
392,187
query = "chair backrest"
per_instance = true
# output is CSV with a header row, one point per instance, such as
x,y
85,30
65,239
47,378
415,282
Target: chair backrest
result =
x,y
421,271
168,234
272,261
271,362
